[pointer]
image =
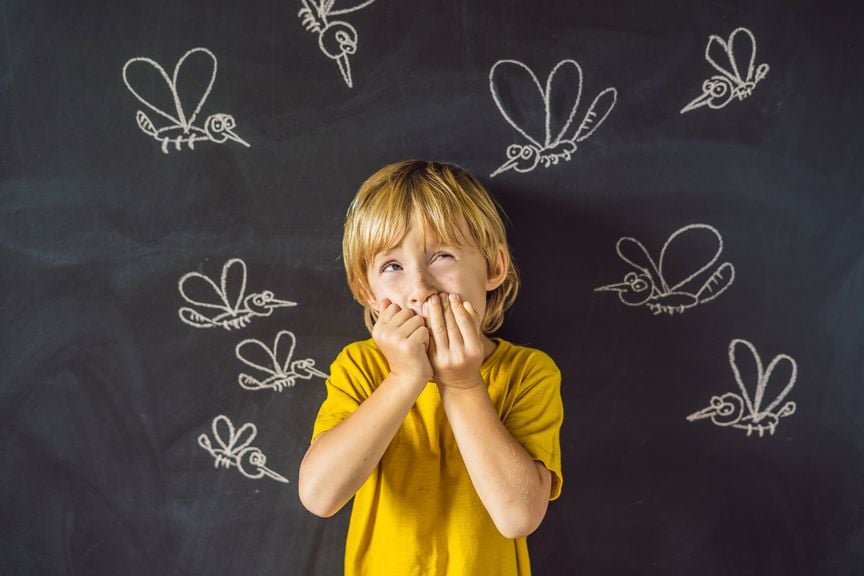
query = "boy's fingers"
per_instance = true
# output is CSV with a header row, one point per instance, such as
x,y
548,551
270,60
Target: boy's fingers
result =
x,y
469,308
465,322
436,322
387,310
407,328
402,316
420,334
454,336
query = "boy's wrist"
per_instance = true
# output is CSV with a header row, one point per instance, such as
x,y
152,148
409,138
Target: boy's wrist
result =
x,y
407,380
461,387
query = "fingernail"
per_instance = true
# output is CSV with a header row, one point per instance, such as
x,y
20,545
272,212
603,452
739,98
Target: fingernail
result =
x,y
433,299
454,297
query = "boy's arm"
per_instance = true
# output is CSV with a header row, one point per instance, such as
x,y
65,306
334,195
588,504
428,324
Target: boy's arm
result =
x,y
340,460
514,488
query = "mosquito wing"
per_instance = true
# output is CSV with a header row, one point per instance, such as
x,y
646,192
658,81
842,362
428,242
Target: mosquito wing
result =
x,y
753,379
562,95
196,84
520,99
283,350
597,113
689,252
734,57
330,12
781,371
140,79
256,355
634,253
747,368
231,439
207,300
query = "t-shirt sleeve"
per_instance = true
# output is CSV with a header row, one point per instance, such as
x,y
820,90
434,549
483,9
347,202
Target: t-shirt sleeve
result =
x,y
537,412
349,384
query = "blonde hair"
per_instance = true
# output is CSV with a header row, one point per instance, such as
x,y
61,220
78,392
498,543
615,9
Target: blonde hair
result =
x,y
441,196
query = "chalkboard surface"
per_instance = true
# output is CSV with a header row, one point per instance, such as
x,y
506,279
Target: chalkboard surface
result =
x,y
685,189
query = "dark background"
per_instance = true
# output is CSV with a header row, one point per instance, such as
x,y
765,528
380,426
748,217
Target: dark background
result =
x,y
104,392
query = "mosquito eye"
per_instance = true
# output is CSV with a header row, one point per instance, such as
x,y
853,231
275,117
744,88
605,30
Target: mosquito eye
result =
x,y
514,151
229,123
717,89
528,152
636,281
725,409
217,125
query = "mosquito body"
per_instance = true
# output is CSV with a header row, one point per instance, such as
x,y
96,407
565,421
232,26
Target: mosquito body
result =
x,y
558,139
233,448
182,130
277,363
735,59
650,284
745,410
336,39
218,128
226,305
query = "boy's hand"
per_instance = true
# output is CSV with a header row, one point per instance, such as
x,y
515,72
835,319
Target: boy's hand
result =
x,y
456,349
402,336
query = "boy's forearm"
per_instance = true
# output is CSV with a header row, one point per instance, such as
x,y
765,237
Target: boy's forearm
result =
x,y
513,487
341,459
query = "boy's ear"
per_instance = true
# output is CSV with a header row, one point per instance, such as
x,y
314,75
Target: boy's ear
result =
x,y
498,270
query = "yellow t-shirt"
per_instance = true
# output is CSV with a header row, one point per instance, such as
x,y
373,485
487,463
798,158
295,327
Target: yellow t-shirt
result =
x,y
418,513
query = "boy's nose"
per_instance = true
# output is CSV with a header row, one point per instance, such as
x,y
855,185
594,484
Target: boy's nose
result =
x,y
421,288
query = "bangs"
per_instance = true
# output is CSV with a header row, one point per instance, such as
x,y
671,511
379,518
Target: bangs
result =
x,y
391,210
439,212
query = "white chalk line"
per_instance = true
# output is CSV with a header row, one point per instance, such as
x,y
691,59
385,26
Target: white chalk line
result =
x,y
231,447
556,143
744,410
732,82
217,128
227,304
649,285
337,39
282,371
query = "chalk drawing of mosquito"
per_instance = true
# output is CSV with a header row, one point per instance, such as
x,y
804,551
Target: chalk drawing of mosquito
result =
x,y
694,249
277,363
217,128
233,449
520,99
744,411
735,60
336,39
227,304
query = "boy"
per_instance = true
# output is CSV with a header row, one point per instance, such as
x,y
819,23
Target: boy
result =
x,y
446,439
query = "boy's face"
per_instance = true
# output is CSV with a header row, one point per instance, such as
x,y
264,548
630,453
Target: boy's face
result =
x,y
420,266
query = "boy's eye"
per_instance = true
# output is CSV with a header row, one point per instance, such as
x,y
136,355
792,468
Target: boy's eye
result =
x,y
441,255
391,267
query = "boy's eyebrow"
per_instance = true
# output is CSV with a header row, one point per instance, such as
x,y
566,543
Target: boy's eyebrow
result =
x,y
386,254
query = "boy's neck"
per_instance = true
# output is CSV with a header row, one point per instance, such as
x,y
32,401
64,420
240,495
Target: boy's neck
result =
x,y
489,346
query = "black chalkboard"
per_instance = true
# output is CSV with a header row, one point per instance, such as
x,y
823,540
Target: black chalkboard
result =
x,y
122,351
